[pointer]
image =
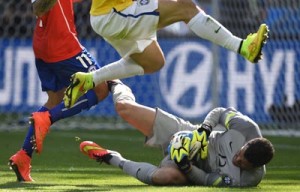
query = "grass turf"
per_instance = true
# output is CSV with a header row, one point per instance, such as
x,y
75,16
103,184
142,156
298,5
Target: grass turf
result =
x,y
61,166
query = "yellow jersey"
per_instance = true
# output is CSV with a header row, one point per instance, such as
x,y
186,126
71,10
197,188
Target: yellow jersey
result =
x,y
100,7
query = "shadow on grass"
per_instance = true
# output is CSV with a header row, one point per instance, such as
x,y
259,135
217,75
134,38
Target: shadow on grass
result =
x,y
84,187
22,185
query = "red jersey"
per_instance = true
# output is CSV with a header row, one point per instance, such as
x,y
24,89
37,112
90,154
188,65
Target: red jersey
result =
x,y
55,37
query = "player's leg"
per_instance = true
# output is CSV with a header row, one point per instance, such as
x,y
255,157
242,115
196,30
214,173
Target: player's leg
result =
x,y
21,161
138,47
139,116
151,59
82,82
54,98
169,176
206,27
198,21
59,79
145,172
146,119
43,118
148,61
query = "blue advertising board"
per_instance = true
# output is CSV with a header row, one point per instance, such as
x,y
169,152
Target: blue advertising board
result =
x,y
185,84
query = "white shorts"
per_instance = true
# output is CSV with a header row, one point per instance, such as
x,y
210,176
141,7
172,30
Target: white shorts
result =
x,y
165,125
131,30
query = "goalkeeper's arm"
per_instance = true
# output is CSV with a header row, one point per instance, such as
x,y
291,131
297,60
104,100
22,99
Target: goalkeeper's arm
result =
x,y
214,116
199,177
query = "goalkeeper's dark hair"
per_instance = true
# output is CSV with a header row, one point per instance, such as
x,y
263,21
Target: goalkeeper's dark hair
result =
x,y
259,151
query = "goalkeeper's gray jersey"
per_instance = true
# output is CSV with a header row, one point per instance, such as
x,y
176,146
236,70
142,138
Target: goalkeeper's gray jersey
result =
x,y
223,145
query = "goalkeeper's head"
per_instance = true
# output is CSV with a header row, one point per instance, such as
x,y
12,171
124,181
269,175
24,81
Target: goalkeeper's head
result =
x,y
255,153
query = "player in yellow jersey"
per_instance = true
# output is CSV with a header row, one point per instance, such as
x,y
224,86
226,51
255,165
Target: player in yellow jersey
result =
x,y
105,6
130,27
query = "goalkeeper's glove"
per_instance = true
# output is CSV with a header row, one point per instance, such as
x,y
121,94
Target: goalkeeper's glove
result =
x,y
179,150
201,135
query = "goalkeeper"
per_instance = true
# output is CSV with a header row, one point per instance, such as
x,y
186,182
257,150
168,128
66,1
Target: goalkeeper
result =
x,y
227,149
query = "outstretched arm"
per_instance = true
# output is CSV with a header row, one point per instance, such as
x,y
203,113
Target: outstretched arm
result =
x,y
199,177
40,7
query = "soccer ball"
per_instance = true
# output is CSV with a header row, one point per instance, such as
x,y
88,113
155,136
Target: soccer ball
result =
x,y
178,140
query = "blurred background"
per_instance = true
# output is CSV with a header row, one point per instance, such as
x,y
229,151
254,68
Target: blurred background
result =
x,y
197,77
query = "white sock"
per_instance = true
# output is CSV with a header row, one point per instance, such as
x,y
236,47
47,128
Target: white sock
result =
x,y
116,159
208,28
118,70
122,92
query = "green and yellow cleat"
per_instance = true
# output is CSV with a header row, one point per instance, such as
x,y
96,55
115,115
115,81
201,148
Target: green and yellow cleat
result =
x,y
252,46
80,84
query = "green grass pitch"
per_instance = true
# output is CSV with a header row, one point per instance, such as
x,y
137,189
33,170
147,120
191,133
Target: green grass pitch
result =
x,y
61,166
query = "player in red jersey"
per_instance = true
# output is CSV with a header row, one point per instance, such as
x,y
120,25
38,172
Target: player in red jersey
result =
x,y
58,55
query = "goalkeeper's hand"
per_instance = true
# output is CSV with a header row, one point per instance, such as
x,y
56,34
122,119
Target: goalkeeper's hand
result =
x,y
201,135
179,150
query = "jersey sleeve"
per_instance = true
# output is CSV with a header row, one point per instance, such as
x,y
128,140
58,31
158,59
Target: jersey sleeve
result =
x,y
230,118
214,116
249,178
199,177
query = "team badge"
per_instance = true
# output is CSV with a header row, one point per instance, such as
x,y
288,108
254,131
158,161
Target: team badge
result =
x,y
227,180
144,2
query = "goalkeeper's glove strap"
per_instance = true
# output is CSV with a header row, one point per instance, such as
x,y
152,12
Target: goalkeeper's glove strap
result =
x,y
205,127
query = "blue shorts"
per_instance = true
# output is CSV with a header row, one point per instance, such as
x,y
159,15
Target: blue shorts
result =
x,y
56,76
